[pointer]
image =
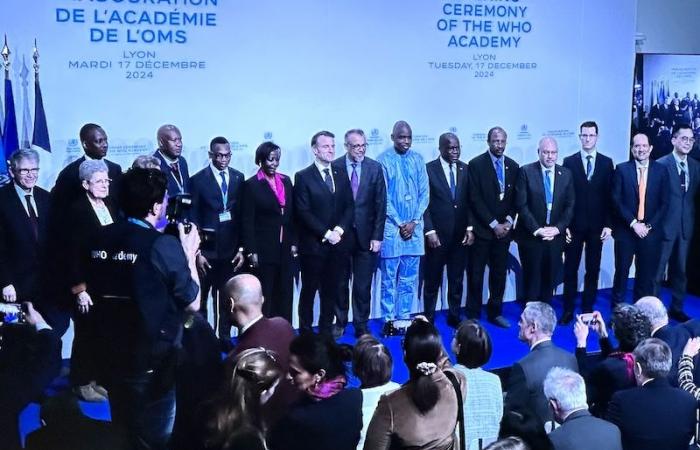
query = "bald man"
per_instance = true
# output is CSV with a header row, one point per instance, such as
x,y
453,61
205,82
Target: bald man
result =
x,y
544,198
172,163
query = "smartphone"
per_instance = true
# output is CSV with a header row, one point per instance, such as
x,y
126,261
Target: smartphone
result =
x,y
588,319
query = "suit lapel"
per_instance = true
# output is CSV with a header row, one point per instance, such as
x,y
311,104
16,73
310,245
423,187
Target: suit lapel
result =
x,y
436,167
461,178
216,186
558,173
319,179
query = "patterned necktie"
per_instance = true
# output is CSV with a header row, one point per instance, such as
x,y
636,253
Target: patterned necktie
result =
x,y
224,186
453,186
499,175
176,171
328,180
354,181
589,167
642,194
32,216
548,195
684,178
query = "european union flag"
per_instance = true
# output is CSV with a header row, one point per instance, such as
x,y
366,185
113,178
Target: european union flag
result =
x,y
10,139
40,138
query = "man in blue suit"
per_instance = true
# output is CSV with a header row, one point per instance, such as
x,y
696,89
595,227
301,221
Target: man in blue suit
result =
x,y
172,163
640,203
677,227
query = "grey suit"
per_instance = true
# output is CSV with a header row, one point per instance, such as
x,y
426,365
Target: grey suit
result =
x,y
677,228
582,431
527,378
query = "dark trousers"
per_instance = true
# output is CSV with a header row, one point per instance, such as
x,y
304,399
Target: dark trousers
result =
x,y
646,254
494,253
85,352
320,273
362,266
541,262
674,253
277,286
572,260
454,256
214,280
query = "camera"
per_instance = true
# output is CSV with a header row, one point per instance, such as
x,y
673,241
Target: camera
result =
x,y
178,211
588,319
13,313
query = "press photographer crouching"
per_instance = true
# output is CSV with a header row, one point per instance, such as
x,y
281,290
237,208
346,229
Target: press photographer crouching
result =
x,y
30,357
143,283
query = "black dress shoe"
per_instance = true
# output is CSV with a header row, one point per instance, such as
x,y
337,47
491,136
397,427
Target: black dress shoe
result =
x,y
678,315
566,318
499,321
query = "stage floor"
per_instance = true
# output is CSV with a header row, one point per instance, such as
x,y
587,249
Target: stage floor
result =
x,y
506,348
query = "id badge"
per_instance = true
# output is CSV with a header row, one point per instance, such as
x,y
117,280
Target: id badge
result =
x,y
224,216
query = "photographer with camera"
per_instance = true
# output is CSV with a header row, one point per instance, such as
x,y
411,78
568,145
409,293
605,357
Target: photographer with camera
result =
x,y
30,357
142,284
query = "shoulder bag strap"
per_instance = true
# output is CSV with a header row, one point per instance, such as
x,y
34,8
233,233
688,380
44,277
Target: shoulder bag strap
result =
x,y
460,408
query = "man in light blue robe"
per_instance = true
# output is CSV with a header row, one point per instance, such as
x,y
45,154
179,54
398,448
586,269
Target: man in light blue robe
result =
x,y
407,199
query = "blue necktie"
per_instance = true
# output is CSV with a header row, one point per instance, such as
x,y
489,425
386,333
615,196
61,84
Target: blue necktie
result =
x,y
453,187
328,180
548,193
224,187
684,178
589,167
499,174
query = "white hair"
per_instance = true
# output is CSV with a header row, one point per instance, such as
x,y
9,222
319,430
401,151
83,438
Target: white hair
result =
x,y
542,315
654,309
566,387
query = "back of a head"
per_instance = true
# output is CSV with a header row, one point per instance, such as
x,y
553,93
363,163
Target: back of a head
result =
x,y
526,425
631,326
566,387
474,344
371,362
246,292
422,351
509,443
653,357
542,315
654,309
316,352
140,189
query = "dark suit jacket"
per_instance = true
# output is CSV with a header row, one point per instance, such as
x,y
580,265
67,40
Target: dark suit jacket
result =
x,y
625,197
370,203
531,204
330,424
654,416
486,205
263,218
449,218
527,378
68,187
592,210
21,254
173,188
208,203
318,210
676,337
582,431
681,206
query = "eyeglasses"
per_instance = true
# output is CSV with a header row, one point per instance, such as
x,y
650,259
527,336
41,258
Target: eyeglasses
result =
x,y
357,146
26,172
686,139
222,156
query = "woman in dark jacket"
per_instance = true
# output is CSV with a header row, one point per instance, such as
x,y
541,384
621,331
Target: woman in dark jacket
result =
x,y
328,416
268,232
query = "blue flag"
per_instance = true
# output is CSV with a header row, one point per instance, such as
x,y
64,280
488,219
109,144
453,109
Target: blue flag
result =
x,y
40,137
10,139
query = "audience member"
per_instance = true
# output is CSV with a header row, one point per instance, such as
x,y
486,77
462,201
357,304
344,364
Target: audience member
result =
x,y
686,366
509,443
613,370
372,364
237,420
675,336
268,231
579,430
423,413
146,162
527,426
65,427
329,416
524,391
653,415
483,407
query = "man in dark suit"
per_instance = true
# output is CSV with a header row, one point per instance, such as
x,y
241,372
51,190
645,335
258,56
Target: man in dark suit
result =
x,y
653,415
216,209
254,331
447,228
492,178
592,173
24,211
324,208
369,192
524,390
566,392
172,163
68,188
544,197
675,336
677,226
640,204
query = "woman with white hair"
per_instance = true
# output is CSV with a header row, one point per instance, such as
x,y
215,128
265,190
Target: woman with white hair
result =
x,y
87,215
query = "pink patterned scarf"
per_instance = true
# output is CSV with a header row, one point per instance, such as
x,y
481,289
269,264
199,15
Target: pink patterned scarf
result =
x,y
276,185
327,388
628,358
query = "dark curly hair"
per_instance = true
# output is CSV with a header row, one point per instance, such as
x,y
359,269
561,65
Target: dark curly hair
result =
x,y
631,326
